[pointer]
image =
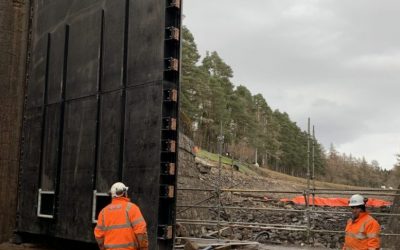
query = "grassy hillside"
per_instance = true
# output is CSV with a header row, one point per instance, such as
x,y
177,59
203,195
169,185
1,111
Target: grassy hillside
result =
x,y
252,170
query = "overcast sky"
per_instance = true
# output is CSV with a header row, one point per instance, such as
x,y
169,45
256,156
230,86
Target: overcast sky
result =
x,y
336,61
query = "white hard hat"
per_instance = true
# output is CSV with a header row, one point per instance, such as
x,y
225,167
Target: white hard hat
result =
x,y
356,200
118,189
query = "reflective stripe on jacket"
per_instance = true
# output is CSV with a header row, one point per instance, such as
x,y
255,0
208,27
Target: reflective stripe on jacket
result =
x,y
362,234
119,225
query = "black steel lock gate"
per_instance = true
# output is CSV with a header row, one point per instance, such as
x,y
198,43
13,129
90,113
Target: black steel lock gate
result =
x,y
101,106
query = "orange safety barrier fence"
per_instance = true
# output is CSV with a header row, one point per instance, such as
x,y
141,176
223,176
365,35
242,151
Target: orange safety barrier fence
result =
x,y
335,202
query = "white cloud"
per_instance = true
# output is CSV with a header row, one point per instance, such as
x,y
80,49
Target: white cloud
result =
x,y
383,61
337,62
307,10
375,147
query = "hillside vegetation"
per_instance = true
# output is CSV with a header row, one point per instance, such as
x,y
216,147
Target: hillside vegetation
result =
x,y
253,171
253,131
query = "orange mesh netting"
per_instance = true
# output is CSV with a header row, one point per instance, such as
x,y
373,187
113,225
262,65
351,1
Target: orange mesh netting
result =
x,y
336,202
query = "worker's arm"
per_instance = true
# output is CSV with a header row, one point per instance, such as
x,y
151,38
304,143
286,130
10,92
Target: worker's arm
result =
x,y
372,231
139,227
99,232
349,221
100,243
143,241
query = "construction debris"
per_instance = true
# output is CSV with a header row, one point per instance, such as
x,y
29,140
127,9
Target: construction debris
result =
x,y
240,215
197,244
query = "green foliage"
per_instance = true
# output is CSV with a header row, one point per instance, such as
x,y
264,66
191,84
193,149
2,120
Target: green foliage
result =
x,y
349,170
253,131
243,167
194,88
393,177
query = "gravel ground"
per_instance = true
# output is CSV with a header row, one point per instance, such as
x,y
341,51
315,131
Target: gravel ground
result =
x,y
264,247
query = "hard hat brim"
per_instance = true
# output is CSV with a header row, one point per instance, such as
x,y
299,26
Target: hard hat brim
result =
x,y
356,205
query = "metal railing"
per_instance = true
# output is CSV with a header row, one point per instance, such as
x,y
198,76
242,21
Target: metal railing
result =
x,y
308,228
309,192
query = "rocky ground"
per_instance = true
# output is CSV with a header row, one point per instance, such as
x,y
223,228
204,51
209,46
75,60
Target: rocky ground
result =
x,y
249,212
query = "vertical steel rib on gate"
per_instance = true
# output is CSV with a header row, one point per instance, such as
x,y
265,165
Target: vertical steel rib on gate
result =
x,y
169,133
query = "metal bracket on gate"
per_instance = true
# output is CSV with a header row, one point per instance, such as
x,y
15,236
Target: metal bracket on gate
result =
x,y
168,146
169,123
174,3
172,33
46,204
95,208
171,64
167,191
171,95
165,232
168,168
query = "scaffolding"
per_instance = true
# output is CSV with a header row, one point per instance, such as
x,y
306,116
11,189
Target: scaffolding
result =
x,y
309,211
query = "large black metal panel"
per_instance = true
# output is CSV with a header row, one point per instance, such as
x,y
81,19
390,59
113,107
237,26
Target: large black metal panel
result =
x,y
108,159
50,15
142,148
96,102
51,140
83,56
146,30
75,192
113,45
37,78
55,66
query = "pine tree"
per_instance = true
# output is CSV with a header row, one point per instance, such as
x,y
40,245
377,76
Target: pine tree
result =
x,y
216,109
195,91
394,177
209,99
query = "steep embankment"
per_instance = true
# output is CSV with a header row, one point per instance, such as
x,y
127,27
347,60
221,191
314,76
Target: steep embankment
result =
x,y
251,212
283,182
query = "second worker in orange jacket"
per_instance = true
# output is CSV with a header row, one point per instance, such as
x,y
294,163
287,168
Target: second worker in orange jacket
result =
x,y
120,225
362,231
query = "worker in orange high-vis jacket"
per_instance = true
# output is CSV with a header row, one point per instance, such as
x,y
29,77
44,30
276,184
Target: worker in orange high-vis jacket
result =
x,y
362,231
120,225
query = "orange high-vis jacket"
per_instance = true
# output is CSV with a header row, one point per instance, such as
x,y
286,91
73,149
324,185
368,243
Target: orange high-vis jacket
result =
x,y
362,234
121,226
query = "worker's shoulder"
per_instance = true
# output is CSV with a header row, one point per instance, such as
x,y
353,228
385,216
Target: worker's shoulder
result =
x,y
132,205
372,220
